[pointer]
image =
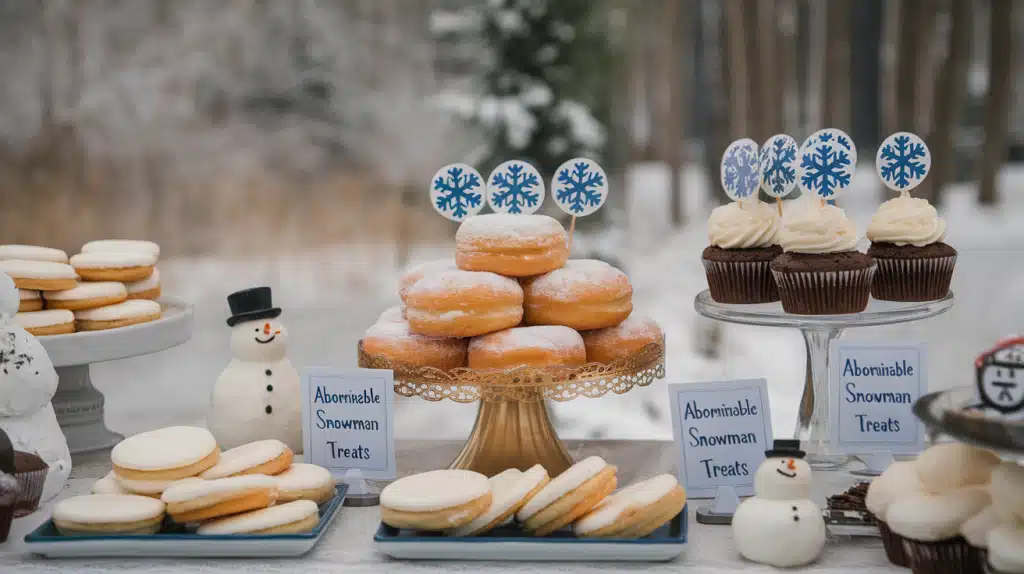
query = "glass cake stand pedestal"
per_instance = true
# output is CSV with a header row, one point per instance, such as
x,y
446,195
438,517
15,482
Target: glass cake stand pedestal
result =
x,y
77,403
812,427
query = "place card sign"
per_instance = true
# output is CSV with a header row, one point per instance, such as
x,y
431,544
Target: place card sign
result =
x,y
348,421
722,429
873,390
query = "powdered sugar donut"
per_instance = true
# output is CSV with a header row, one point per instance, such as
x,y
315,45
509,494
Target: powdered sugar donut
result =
x,y
122,246
32,253
421,270
290,518
435,500
394,314
46,323
40,275
512,245
29,300
463,304
544,346
87,296
304,481
148,288
585,294
395,342
510,490
114,266
131,312
623,340
267,457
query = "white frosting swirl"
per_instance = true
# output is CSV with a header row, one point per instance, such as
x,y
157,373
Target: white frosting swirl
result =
x,y
744,226
906,220
818,229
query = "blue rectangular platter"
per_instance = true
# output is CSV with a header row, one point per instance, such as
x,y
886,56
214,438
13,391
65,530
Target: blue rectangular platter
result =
x,y
511,543
46,541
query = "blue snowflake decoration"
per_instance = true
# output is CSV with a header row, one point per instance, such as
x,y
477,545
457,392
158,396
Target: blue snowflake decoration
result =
x,y
778,165
515,187
827,161
457,191
903,161
740,177
580,187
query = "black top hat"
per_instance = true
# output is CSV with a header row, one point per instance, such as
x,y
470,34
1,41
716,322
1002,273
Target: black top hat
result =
x,y
251,305
785,447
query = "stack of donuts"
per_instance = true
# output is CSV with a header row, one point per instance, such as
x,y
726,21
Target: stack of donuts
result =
x,y
112,283
511,298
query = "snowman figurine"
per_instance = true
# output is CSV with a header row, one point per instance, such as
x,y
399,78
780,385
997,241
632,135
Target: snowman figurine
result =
x,y
27,383
257,396
779,526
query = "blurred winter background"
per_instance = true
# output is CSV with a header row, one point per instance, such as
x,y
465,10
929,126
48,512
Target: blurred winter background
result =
x,y
291,143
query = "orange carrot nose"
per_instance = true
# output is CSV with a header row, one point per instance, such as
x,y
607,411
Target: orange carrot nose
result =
x,y
266,328
277,332
791,464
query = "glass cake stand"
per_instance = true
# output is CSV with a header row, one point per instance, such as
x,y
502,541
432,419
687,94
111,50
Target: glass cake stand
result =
x,y
812,427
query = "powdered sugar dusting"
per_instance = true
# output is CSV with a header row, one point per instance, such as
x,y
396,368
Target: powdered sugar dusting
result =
x,y
552,337
392,315
416,272
455,280
636,326
562,284
507,227
397,331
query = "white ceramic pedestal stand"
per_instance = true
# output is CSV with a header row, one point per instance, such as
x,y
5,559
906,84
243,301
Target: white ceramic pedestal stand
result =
x,y
812,427
79,406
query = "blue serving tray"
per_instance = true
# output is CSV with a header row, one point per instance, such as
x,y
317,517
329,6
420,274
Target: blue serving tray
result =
x,y
46,541
511,543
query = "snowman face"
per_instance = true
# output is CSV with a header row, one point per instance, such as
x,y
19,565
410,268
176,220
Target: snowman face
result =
x,y
1002,386
259,341
783,478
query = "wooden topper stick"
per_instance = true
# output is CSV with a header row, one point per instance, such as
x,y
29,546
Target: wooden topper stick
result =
x,y
572,228
778,201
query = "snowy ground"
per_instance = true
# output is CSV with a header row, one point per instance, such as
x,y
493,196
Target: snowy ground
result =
x,y
330,296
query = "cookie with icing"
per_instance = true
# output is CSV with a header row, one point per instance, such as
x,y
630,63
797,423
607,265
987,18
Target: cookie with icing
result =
x,y
201,500
40,275
635,511
106,514
436,500
510,490
303,481
87,296
122,246
29,300
32,253
148,288
268,457
114,266
124,314
47,323
568,496
169,453
289,518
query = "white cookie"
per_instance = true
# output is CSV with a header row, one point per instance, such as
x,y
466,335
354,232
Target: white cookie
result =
x,y
249,456
32,253
288,518
121,246
510,489
563,484
163,449
434,490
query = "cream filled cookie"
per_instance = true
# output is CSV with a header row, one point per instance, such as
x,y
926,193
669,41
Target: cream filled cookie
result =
x,y
197,501
510,490
585,294
435,500
169,453
29,300
621,341
543,346
635,511
951,465
289,518
148,288
106,514
421,270
511,245
87,296
463,304
396,342
568,496
45,323
267,457
302,481
114,266
153,488
122,246
32,253
131,312
40,275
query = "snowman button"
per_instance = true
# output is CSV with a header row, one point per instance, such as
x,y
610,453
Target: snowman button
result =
x,y
270,409
269,372
796,519
271,388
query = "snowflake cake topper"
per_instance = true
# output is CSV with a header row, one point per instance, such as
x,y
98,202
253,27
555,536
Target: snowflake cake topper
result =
x,y
457,191
740,177
579,187
515,187
903,161
827,161
778,162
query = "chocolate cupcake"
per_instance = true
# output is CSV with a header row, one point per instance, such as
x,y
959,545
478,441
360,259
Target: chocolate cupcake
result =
x,y
9,488
975,532
914,264
930,526
744,241
30,472
821,272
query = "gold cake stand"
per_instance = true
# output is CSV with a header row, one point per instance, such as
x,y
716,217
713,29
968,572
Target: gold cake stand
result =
x,y
513,428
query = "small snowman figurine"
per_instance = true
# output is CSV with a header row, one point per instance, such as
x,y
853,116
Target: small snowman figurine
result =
x,y
257,396
779,526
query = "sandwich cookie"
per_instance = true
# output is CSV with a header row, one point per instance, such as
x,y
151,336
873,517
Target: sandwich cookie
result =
x,y
435,500
148,288
267,457
304,481
201,500
634,511
152,488
87,296
108,514
122,246
32,253
290,518
510,490
123,266
44,323
170,453
40,275
131,312
570,495
108,485
29,301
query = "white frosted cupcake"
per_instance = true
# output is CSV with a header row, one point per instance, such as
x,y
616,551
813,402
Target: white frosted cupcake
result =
x,y
744,240
1006,549
914,264
930,525
899,480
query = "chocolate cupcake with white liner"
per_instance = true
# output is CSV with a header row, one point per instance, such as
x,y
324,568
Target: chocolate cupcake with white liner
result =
x,y
930,525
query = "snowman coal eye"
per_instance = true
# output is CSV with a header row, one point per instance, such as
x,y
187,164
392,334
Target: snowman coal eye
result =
x,y
257,329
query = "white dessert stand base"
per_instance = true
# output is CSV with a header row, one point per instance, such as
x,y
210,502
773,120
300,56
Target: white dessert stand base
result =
x,y
812,427
79,406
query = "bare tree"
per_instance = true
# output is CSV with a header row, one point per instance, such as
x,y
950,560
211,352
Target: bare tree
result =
x,y
738,76
907,59
770,70
891,14
997,106
788,86
676,27
836,95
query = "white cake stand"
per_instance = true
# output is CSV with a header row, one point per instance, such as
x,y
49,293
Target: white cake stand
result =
x,y
79,406
812,427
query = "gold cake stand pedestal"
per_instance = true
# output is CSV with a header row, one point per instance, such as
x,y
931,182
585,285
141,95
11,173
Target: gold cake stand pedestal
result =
x,y
513,428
